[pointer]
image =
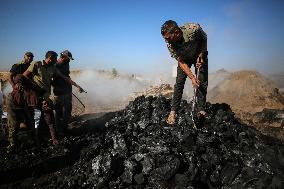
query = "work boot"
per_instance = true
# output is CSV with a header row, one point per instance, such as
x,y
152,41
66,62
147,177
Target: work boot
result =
x,y
172,118
12,140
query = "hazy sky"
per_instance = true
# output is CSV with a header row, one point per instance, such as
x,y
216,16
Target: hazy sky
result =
x,y
126,35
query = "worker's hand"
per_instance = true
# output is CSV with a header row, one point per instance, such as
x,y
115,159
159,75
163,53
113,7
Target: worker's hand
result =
x,y
69,80
45,105
195,82
18,87
198,65
199,61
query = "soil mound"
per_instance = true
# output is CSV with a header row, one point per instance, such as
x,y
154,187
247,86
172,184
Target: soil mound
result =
x,y
247,91
217,77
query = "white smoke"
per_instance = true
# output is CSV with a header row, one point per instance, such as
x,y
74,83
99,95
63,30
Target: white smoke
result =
x,y
6,89
108,93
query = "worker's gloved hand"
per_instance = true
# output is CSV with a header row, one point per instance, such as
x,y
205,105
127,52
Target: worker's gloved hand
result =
x,y
195,82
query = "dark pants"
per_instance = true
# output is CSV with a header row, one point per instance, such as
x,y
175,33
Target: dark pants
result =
x,y
63,111
201,91
1,125
17,115
31,114
47,119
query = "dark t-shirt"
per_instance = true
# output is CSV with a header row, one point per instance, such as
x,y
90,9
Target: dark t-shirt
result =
x,y
19,68
61,86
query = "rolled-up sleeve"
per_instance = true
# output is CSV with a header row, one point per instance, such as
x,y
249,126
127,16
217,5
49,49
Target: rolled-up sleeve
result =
x,y
31,68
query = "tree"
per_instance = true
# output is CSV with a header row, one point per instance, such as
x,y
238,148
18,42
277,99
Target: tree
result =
x,y
114,73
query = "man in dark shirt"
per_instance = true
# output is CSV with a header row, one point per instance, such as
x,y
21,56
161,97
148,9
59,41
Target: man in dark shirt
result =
x,y
41,74
20,67
63,93
19,113
20,103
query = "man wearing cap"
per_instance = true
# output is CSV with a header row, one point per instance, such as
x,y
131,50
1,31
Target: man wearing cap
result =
x,y
42,73
20,67
20,103
63,93
19,113
188,45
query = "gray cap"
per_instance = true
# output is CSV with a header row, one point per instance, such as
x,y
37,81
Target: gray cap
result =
x,y
68,54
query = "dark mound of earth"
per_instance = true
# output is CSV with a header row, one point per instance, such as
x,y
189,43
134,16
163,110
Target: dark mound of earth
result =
x,y
134,150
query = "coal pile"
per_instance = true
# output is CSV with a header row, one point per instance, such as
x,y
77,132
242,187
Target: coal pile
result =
x,y
136,150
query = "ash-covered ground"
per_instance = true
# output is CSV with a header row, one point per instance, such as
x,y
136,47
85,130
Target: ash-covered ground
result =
x,y
132,149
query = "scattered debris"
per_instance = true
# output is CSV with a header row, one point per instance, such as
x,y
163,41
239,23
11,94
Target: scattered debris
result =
x,y
163,89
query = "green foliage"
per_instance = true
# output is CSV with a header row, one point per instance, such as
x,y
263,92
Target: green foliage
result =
x,y
114,73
